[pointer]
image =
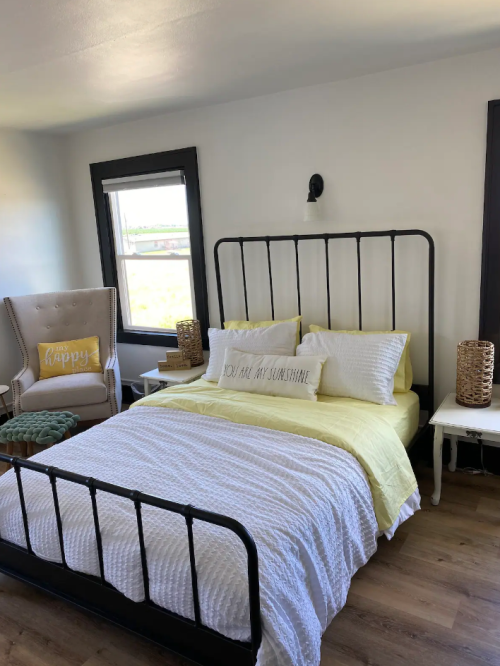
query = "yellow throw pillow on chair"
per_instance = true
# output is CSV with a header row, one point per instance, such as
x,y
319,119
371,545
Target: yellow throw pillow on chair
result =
x,y
69,358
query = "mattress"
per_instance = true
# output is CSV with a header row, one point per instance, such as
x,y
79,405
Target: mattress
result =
x,y
307,504
404,418
362,432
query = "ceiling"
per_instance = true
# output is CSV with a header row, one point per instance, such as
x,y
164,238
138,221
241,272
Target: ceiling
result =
x,y
66,64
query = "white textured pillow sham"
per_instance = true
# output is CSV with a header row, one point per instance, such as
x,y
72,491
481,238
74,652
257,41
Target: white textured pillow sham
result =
x,y
279,339
284,376
357,366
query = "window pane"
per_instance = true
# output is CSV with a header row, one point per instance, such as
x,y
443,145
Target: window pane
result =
x,y
150,220
153,222
159,292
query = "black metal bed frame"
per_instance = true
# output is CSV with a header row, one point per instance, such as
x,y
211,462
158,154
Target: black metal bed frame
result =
x,y
425,392
186,637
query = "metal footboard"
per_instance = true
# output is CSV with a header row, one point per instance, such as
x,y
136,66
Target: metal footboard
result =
x,y
184,636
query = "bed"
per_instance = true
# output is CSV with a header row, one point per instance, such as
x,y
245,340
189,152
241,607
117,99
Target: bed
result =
x,y
292,500
404,418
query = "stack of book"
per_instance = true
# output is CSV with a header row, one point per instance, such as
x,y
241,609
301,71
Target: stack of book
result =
x,y
175,361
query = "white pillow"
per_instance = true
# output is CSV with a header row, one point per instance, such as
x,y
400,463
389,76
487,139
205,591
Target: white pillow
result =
x,y
358,366
279,339
285,376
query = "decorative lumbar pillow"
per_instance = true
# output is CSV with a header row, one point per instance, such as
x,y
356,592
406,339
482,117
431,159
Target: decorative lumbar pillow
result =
x,y
278,339
357,366
403,379
242,325
285,376
69,358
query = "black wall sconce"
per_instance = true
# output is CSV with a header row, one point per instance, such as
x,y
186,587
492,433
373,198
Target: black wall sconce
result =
x,y
312,210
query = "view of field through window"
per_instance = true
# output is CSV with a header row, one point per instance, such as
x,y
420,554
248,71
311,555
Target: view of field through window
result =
x,y
153,256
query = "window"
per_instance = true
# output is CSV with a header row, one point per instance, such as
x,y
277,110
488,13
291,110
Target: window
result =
x,y
151,242
149,214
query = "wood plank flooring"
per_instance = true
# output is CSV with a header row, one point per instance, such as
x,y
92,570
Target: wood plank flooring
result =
x,y
430,596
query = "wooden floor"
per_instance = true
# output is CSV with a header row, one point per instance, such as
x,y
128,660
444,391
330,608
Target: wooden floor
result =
x,y
430,596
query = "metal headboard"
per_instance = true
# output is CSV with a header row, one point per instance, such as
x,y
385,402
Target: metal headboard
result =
x,y
426,393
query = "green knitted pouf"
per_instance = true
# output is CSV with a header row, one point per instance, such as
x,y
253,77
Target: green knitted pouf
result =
x,y
40,427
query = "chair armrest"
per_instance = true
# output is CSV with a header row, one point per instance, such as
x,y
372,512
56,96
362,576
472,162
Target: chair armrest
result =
x,y
113,381
25,379
20,384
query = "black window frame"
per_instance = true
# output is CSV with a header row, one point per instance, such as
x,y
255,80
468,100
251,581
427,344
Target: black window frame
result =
x,y
186,160
489,315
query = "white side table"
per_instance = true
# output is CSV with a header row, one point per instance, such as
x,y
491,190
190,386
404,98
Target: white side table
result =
x,y
456,421
173,376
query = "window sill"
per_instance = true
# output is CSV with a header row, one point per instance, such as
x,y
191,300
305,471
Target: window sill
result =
x,y
151,339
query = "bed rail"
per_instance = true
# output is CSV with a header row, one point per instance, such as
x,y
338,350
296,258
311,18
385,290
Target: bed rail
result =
x,y
164,627
426,392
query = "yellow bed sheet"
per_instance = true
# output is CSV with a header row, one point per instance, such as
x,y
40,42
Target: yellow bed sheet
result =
x,y
362,432
404,418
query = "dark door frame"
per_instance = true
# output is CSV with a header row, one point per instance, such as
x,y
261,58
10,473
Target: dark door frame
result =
x,y
489,315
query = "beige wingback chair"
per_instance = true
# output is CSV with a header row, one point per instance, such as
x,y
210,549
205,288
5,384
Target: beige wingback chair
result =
x,y
58,316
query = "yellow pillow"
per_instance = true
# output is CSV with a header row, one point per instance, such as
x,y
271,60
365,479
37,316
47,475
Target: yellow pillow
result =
x,y
403,379
69,358
246,325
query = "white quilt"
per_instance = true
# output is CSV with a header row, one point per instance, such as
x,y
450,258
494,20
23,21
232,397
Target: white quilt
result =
x,y
307,505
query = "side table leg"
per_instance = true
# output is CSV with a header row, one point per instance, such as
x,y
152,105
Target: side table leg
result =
x,y
146,386
453,460
438,464
5,406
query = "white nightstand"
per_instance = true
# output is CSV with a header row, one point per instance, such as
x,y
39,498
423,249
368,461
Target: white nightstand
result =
x,y
456,421
172,376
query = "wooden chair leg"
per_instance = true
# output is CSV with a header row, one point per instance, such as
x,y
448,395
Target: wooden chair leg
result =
x,y
67,434
31,449
24,449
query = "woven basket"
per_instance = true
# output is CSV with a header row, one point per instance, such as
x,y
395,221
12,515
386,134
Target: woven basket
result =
x,y
189,341
475,373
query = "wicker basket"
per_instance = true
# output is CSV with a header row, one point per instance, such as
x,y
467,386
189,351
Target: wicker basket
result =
x,y
475,373
189,341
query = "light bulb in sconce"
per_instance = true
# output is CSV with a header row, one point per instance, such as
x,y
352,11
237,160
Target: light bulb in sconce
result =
x,y
312,211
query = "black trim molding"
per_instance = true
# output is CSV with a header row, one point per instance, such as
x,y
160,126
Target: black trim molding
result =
x,y
186,160
489,315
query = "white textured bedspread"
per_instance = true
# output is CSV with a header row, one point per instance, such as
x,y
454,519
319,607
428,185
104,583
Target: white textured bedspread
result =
x,y
307,505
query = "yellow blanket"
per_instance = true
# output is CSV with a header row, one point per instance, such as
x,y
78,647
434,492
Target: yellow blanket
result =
x,y
369,438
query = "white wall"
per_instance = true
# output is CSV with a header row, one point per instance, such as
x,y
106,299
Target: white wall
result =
x,y
400,149
37,252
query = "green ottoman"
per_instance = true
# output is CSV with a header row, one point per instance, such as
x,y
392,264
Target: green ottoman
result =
x,y
44,428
